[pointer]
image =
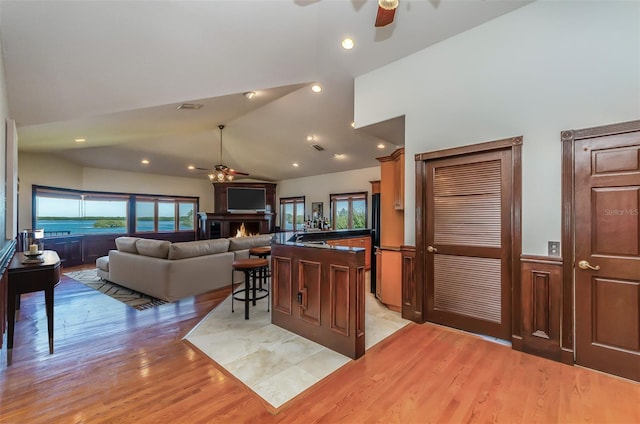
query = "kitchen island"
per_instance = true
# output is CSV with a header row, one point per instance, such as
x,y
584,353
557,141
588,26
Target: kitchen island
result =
x,y
319,288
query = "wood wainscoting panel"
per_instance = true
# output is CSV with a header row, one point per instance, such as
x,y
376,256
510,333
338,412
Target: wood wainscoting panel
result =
x,y
411,292
4,284
309,277
541,304
340,298
281,284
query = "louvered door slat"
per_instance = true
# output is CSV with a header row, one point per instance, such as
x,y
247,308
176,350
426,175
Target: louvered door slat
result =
x,y
468,286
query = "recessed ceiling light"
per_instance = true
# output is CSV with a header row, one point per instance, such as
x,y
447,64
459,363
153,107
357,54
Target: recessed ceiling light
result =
x,y
80,140
347,43
250,94
191,167
316,88
295,164
353,125
145,161
338,155
191,106
311,138
381,146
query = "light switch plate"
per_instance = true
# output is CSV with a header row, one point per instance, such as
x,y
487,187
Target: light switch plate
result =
x,y
554,248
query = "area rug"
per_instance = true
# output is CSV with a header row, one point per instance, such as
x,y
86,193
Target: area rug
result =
x,y
274,363
125,295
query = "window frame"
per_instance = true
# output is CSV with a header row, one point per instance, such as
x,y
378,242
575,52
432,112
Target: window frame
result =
x,y
295,201
131,199
349,198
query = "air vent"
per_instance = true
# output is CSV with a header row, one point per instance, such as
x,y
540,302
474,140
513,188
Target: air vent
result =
x,y
189,106
317,147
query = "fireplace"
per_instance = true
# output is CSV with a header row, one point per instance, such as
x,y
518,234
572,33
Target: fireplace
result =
x,y
244,229
213,225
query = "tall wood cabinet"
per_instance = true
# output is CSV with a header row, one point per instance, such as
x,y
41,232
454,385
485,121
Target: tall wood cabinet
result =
x,y
388,255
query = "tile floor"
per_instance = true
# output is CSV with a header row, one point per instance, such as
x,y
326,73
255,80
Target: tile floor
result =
x,y
273,362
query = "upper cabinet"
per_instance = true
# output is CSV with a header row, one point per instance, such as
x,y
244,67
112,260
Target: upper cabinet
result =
x,y
392,199
398,179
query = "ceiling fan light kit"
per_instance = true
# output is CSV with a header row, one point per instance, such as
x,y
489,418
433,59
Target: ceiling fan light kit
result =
x,y
388,4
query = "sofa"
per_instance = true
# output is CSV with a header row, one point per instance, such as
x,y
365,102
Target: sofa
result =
x,y
172,271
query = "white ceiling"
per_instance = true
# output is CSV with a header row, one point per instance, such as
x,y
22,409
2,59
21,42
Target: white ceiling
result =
x,y
114,72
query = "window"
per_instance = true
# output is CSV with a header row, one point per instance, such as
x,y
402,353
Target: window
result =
x,y
62,212
163,214
145,213
66,212
349,210
291,213
186,216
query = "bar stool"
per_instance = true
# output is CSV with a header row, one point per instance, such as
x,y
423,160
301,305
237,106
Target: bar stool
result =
x,y
250,267
262,252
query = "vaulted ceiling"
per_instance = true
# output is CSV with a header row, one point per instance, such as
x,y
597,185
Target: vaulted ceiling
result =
x,y
114,72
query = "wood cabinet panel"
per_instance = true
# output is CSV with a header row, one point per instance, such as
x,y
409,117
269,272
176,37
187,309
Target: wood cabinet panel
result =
x,y
389,259
318,293
282,284
389,282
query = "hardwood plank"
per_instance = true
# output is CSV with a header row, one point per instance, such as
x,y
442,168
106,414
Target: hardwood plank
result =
x,y
114,364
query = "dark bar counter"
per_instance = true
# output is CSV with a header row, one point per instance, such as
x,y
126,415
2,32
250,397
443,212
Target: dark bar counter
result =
x,y
311,236
319,289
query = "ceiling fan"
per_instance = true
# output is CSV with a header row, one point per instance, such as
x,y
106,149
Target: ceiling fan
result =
x,y
221,173
386,12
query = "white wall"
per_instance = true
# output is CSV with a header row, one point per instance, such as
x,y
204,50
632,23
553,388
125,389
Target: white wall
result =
x,y
544,68
319,187
46,170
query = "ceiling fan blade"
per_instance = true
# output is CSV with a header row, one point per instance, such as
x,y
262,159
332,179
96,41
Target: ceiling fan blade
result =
x,y
234,172
384,17
203,169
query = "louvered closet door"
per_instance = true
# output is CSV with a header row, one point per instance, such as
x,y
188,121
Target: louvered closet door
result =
x,y
468,237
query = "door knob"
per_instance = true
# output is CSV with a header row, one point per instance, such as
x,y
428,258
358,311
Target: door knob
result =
x,y
431,249
586,265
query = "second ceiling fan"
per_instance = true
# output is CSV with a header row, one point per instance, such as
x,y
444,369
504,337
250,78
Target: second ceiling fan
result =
x,y
221,173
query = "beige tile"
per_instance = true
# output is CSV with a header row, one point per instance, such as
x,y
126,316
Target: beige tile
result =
x,y
275,363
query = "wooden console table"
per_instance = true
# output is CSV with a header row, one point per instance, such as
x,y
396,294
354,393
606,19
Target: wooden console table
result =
x,y
28,278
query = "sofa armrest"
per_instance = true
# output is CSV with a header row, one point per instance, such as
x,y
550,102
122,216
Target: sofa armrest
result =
x,y
145,274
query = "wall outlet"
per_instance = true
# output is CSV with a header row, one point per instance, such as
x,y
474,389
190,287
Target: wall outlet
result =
x,y
554,248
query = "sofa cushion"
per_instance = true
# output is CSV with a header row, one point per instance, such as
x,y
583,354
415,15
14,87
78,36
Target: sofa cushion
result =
x,y
191,249
153,248
102,263
242,243
127,244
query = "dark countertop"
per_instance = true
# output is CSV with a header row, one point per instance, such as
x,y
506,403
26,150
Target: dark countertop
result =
x,y
316,238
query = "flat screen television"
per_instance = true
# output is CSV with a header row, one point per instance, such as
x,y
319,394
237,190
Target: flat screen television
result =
x,y
246,200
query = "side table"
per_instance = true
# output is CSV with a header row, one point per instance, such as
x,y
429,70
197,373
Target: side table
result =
x,y
28,278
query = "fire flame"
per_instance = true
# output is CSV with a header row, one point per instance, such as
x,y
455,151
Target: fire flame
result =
x,y
242,232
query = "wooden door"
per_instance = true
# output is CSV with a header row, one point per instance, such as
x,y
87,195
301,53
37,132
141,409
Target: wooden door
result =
x,y
468,237
607,253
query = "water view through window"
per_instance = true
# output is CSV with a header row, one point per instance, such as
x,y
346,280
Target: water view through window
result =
x,y
68,216
67,212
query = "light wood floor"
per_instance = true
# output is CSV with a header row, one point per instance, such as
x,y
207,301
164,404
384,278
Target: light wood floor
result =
x,y
113,364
